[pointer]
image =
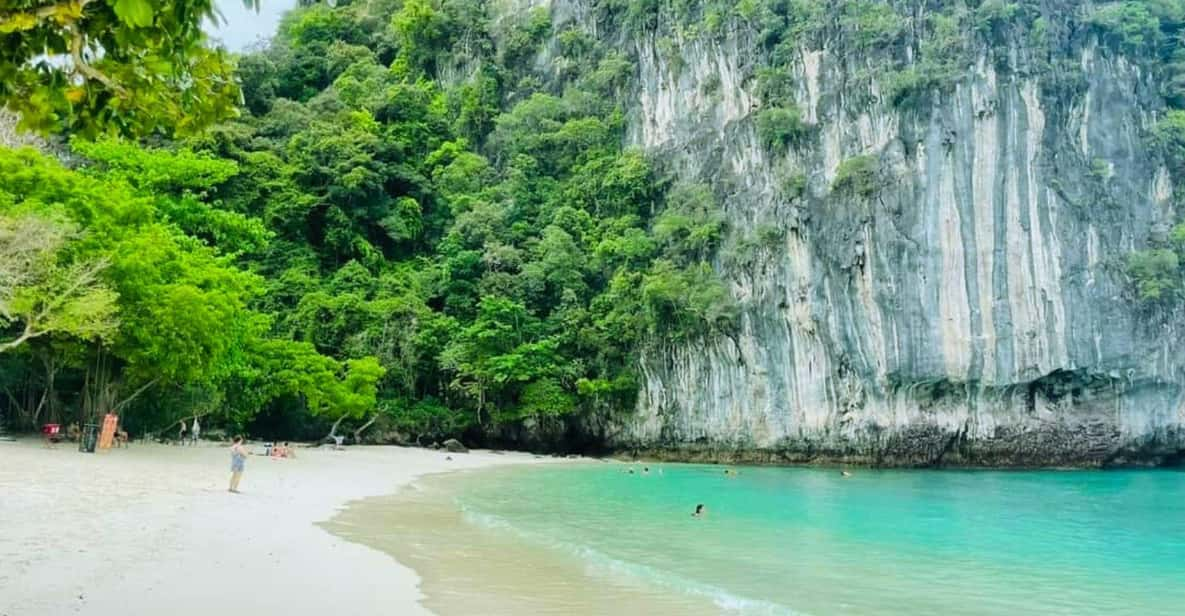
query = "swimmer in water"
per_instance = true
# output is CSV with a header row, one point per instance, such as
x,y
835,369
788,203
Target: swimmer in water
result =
x,y
645,470
700,511
846,474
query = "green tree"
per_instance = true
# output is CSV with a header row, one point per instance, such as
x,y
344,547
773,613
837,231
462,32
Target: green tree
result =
x,y
1129,25
103,244
129,66
422,32
42,290
780,127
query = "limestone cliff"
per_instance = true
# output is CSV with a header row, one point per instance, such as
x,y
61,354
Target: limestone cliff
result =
x,y
970,308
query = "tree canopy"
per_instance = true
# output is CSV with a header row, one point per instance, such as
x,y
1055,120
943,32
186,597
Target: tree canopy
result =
x,y
133,67
369,236
100,273
487,239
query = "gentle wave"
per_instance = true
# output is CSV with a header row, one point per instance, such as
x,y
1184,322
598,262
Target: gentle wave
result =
x,y
601,563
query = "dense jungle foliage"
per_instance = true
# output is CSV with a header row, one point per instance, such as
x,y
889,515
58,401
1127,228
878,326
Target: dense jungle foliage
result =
x,y
469,252
424,214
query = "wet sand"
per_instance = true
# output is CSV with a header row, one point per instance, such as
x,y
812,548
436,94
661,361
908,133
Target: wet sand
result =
x,y
469,566
152,529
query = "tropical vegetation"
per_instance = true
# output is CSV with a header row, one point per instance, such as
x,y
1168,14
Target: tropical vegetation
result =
x,y
416,216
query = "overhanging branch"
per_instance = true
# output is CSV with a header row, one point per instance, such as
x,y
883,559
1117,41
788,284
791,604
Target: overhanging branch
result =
x,y
86,70
63,12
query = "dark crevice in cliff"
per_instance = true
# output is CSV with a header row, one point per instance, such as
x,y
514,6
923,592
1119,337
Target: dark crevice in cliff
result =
x,y
1175,460
951,444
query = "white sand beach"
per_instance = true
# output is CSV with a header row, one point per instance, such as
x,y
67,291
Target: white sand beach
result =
x,y
152,530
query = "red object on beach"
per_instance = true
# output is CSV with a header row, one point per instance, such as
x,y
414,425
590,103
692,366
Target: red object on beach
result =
x,y
52,432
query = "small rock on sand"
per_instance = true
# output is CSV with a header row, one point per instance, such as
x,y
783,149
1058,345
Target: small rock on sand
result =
x,y
455,446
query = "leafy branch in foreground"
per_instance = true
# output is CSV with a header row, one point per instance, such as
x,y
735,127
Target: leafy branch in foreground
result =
x,y
132,67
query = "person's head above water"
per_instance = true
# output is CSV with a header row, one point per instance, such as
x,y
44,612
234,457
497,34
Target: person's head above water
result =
x,y
699,509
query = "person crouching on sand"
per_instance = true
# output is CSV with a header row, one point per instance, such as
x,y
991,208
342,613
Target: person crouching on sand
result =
x,y
238,460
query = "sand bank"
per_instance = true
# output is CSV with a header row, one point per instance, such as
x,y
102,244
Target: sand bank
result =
x,y
151,529
471,563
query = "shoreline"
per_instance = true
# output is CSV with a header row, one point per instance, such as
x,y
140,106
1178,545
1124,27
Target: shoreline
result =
x,y
365,530
471,563
153,526
797,459
583,540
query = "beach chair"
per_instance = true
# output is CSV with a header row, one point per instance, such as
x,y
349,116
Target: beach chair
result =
x,y
52,433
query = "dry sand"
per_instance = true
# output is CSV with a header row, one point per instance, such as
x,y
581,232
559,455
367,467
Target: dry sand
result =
x,y
152,530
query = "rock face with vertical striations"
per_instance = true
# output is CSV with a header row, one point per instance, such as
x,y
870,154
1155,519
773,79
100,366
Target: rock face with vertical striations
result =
x,y
958,296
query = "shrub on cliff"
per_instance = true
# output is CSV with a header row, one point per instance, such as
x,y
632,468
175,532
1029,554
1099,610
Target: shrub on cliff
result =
x,y
1156,273
781,127
856,177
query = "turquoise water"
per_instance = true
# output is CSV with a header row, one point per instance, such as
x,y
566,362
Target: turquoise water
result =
x,y
809,541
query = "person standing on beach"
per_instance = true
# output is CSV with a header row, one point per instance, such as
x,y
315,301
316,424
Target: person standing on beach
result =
x,y
195,431
238,460
181,432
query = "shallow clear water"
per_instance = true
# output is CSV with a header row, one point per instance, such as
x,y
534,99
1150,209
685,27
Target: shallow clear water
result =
x,y
809,541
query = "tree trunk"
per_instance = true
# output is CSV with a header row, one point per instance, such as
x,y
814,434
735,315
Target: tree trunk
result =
x,y
40,406
135,394
98,391
481,400
26,335
21,418
51,394
333,430
28,401
359,431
